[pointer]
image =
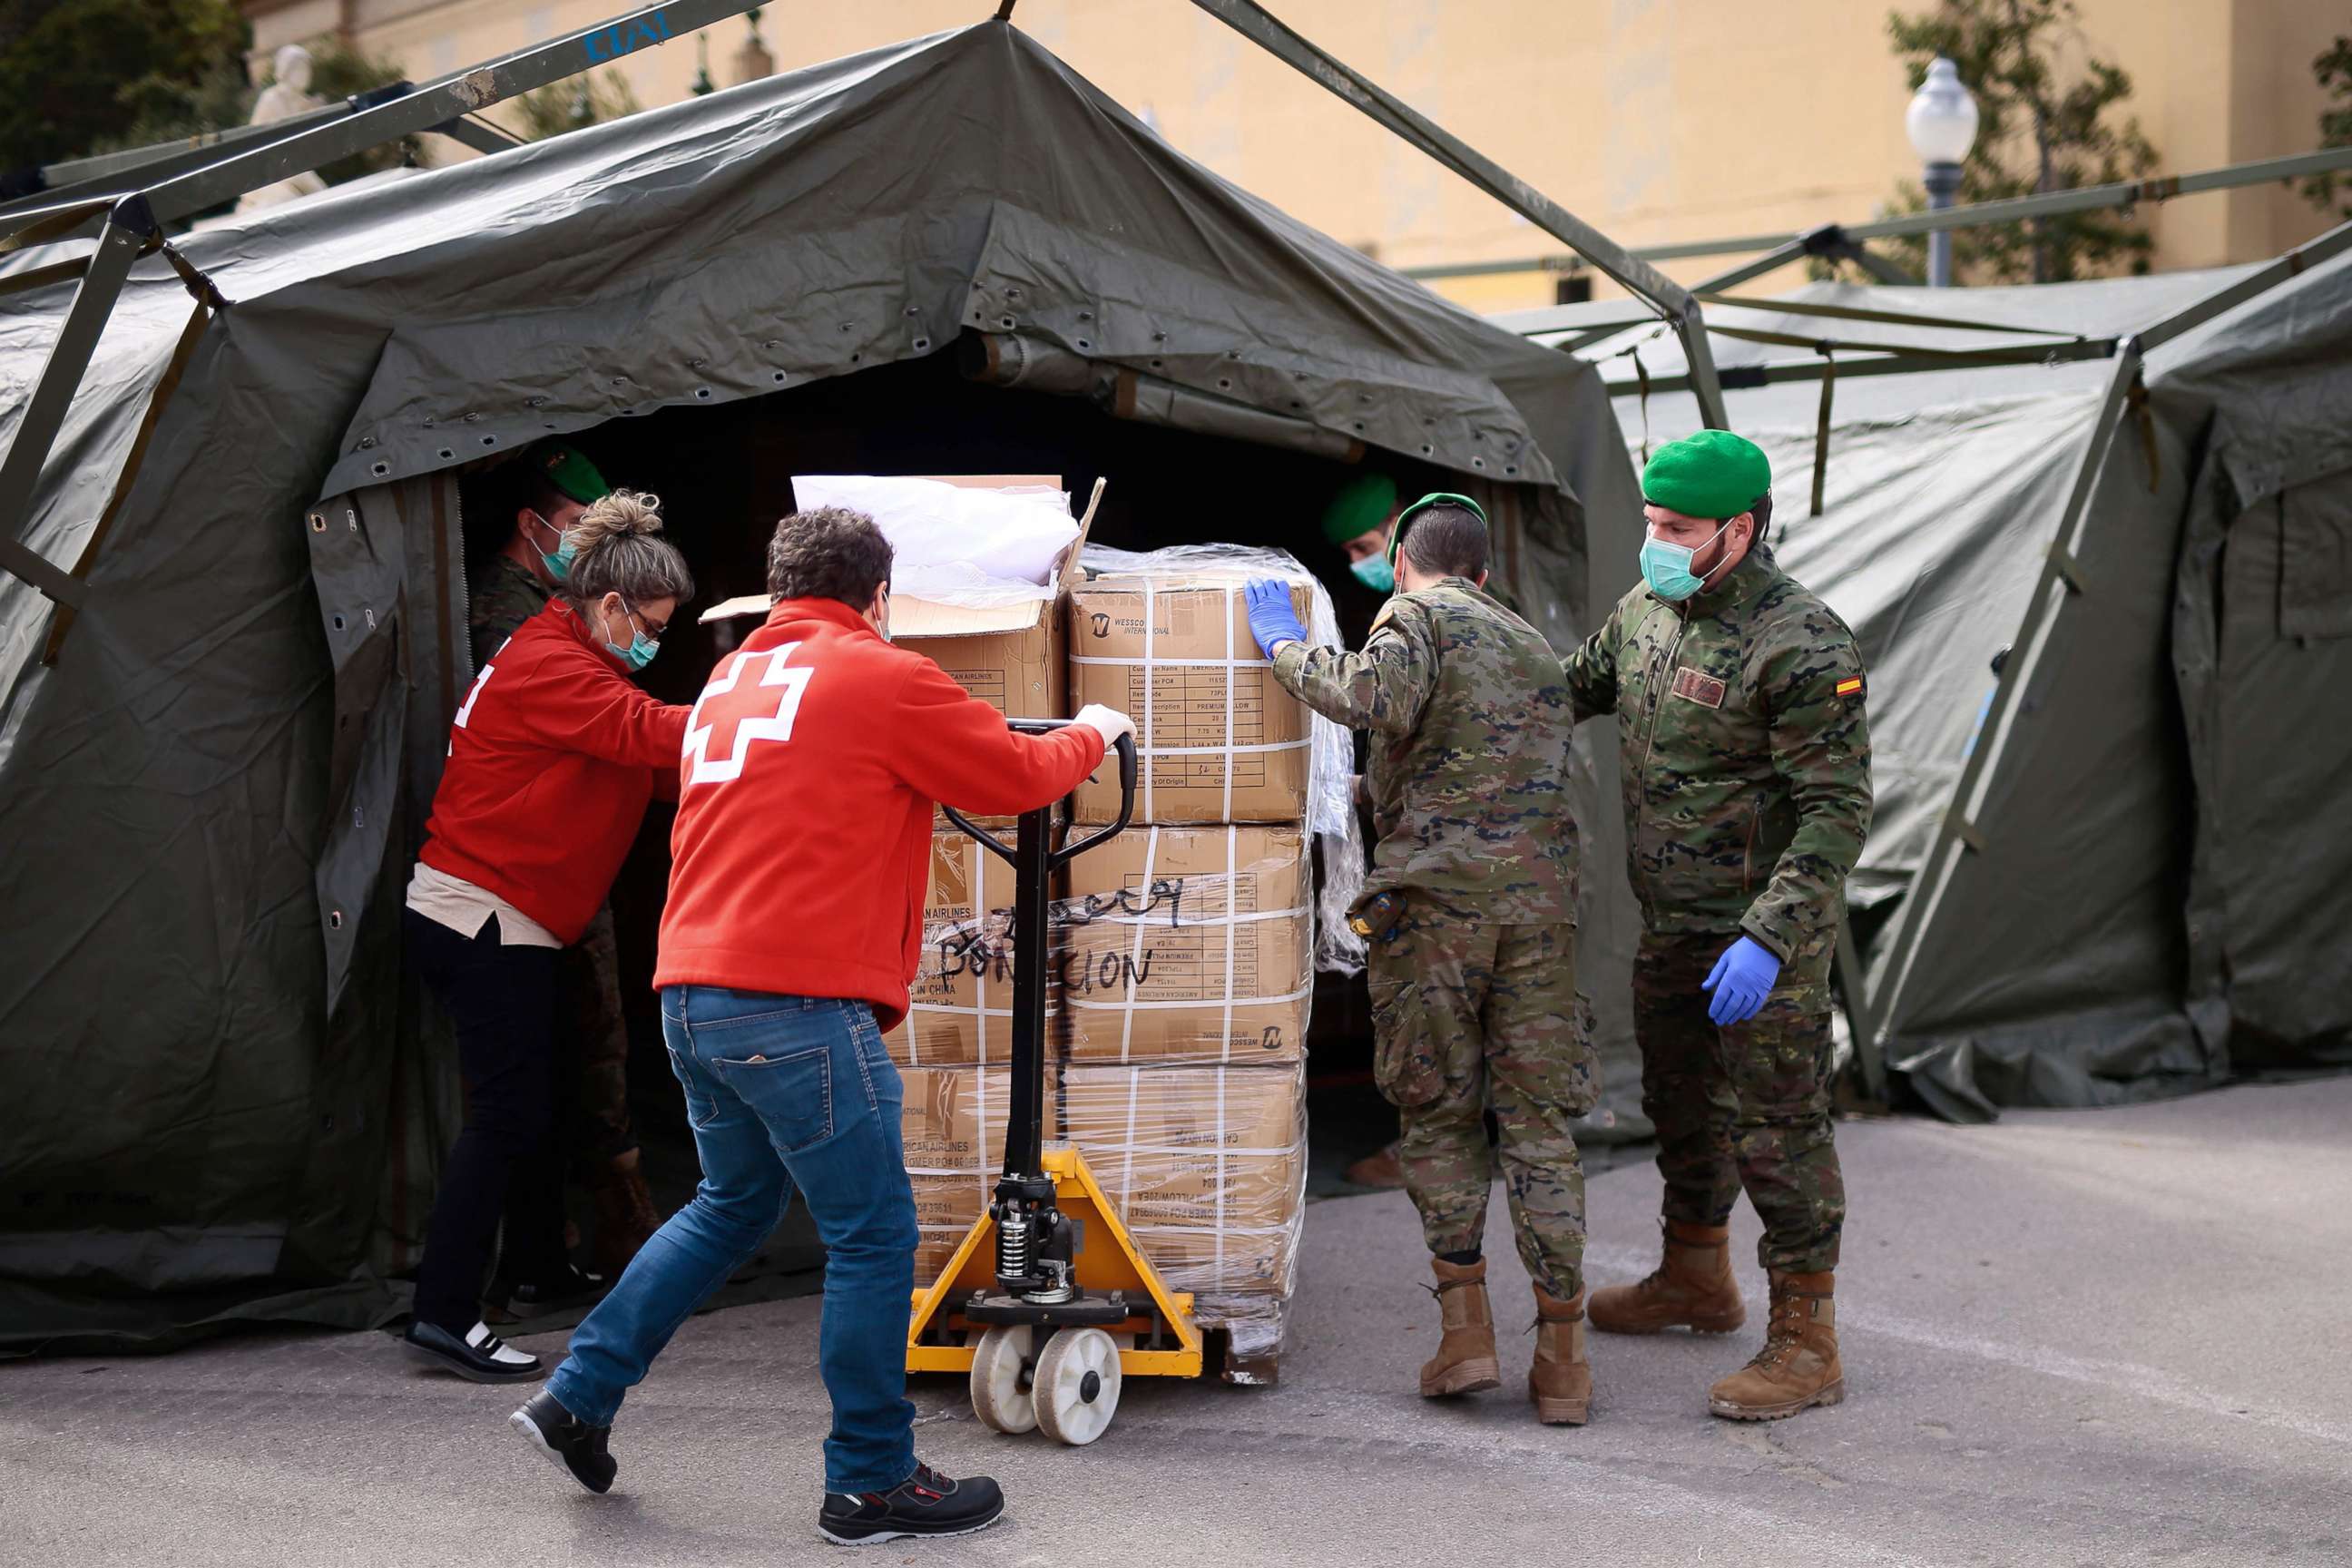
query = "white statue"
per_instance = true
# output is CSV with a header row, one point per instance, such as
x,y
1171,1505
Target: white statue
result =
x,y
287,95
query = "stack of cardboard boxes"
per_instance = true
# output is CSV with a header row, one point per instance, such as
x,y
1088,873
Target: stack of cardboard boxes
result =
x,y
1181,951
1184,948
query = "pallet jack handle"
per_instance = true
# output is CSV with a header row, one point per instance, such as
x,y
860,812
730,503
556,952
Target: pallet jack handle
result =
x,y
1033,861
1056,859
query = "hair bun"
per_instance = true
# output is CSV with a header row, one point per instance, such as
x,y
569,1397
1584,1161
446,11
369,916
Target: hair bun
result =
x,y
620,514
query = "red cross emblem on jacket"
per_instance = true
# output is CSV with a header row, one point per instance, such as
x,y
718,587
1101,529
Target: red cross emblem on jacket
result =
x,y
754,697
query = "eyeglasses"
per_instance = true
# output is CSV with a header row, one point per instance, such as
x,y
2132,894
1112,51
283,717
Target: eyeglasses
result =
x,y
652,629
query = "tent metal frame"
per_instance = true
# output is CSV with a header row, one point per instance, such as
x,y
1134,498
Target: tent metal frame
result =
x,y
1670,299
2123,194
127,204
125,201
1961,830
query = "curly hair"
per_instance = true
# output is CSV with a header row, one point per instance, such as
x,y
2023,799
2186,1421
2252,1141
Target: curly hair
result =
x,y
616,553
829,554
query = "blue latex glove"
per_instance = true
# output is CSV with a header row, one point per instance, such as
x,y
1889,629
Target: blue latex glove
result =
x,y
1742,978
1271,618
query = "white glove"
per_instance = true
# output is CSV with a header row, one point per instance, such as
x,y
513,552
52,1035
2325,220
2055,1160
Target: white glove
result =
x,y
1108,723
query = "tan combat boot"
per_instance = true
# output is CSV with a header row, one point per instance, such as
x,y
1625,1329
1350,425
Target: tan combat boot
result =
x,y
626,1215
1692,1289
1464,1362
1560,1381
1799,1364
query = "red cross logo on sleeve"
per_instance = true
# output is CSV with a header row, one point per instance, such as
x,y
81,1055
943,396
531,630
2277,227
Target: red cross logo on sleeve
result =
x,y
754,697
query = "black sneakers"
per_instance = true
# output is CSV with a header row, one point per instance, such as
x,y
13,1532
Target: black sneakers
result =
x,y
481,1356
567,1440
925,1503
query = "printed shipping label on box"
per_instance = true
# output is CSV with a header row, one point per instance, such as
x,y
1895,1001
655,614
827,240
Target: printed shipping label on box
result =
x,y
960,1004
1187,944
945,1207
954,1118
1221,742
1206,1166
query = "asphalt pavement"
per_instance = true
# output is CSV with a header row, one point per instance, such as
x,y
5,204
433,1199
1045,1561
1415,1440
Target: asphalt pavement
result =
x,y
2073,1338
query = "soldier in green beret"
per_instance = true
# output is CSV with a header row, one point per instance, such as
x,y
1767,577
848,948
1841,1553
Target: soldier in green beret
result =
x,y
1746,761
556,483
1358,521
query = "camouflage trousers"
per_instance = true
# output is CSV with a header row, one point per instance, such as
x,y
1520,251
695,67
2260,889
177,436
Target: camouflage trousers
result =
x,y
1468,1016
1742,1108
592,1040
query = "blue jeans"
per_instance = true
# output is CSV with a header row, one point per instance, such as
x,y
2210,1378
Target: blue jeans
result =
x,y
782,1091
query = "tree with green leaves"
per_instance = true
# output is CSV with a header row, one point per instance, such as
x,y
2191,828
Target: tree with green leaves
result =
x,y
2334,69
2041,128
589,99
75,74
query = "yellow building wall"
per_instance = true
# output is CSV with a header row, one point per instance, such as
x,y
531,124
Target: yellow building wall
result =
x,y
1657,120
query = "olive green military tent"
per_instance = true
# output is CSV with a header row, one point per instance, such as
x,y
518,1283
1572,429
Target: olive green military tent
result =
x,y
2137,880
953,254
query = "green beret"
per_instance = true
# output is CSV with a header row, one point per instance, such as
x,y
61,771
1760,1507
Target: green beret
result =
x,y
569,470
1362,505
1714,474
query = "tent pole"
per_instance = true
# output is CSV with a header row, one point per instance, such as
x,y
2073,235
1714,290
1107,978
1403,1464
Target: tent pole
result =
x,y
1673,303
1778,373
128,226
1878,266
437,103
113,172
2087,198
1958,828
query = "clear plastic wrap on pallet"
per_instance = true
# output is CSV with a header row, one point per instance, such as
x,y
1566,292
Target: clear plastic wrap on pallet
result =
x,y
1207,1169
1218,696
1186,944
953,1130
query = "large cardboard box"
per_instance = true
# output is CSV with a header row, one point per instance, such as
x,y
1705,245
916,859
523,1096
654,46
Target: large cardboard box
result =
x,y
960,1004
1206,1166
1220,742
1196,944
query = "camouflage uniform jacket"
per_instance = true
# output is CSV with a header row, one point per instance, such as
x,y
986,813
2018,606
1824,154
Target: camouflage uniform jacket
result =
x,y
1470,723
1745,753
511,595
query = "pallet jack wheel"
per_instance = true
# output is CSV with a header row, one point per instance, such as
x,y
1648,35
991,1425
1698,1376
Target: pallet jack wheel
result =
x,y
1075,1388
1001,1380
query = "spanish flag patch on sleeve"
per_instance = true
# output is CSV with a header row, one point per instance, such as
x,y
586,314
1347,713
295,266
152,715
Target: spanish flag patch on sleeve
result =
x,y
1848,687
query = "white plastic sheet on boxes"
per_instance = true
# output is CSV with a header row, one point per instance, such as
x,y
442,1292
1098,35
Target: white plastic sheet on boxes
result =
x,y
951,542
1331,770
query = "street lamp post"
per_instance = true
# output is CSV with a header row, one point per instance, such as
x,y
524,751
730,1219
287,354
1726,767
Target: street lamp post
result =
x,y
1942,124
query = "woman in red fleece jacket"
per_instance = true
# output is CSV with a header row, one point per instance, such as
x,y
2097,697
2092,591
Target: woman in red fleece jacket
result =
x,y
814,762
552,758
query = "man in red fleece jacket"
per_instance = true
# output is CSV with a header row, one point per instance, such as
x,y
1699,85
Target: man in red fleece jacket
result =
x,y
812,764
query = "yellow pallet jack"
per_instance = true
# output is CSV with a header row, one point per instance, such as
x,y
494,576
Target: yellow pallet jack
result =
x,y
1048,1303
